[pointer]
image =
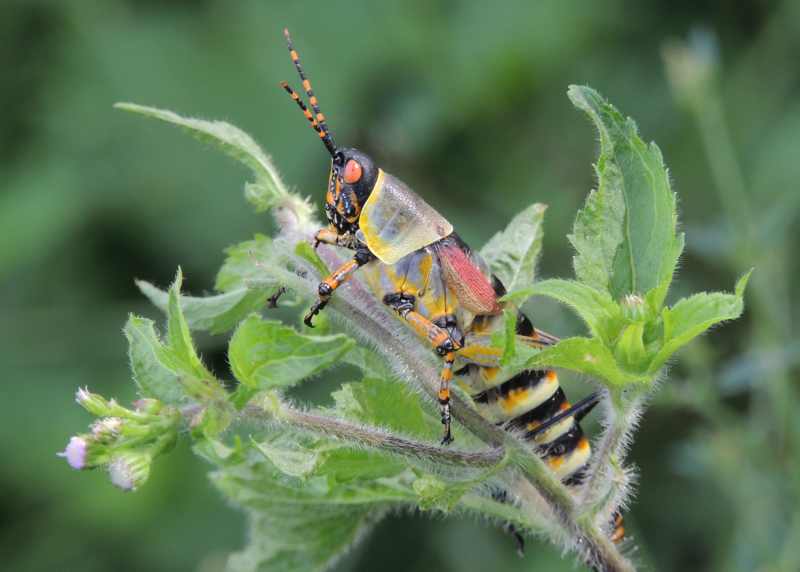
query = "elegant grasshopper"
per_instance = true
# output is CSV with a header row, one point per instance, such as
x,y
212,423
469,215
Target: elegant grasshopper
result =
x,y
411,258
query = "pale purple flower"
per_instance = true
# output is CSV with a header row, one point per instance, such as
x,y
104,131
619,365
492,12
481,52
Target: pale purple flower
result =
x,y
75,453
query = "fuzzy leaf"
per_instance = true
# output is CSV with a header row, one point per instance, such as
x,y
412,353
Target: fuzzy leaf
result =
x,y
215,314
389,404
597,234
512,253
595,307
266,354
178,336
435,494
694,315
244,263
268,190
645,255
170,370
585,355
304,456
153,378
368,361
301,523
307,252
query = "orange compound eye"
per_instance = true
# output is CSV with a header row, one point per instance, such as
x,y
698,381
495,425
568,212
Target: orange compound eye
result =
x,y
352,172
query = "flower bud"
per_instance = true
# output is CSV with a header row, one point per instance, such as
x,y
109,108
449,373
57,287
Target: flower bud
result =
x,y
83,452
93,403
129,470
106,428
634,307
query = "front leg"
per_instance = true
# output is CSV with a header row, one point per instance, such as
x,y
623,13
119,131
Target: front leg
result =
x,y
335,279
329,235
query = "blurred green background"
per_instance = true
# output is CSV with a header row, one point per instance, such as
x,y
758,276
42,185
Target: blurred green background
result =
x,y
467,104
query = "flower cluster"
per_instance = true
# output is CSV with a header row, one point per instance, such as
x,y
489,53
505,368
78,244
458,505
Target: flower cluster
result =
x,y
124,441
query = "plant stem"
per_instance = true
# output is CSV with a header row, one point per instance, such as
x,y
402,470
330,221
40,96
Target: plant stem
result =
x,y
383,440
607,484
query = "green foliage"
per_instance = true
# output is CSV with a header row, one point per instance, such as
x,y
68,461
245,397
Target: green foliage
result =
x,y
312,482
627,250
265,354
631,218
215,314
513,252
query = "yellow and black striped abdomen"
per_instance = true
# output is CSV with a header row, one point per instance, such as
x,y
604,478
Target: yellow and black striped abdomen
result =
x,y
528,401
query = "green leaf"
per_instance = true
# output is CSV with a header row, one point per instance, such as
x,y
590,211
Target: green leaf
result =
x,y
304,455
512,253
215,314
585,355
436,494
597,233
595,307
369,362
694,315
387,403
266,354
307,252
171,370
178,336
153,378
645,256
301,523
655,297
245,262
268,190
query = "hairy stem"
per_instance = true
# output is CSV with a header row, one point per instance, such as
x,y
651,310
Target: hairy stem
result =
x,y
607,485
379,439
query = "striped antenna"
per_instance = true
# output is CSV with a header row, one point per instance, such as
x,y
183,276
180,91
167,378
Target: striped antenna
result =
x,y
318,119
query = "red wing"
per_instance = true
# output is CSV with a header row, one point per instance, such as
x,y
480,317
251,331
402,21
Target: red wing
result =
x,y
471,285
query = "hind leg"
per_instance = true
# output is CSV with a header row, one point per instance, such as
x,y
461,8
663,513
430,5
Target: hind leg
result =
x,y
440,340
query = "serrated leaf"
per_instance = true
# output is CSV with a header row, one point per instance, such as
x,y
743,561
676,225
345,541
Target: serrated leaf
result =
x,y
595,307
694,315
289,457
369,362
597,233
214,314
170,370
268,190
244,263
436,494
300,539
644,258
153,378
178,336
307,252
389,404
266,354
302,523
655,297
512,253
585,355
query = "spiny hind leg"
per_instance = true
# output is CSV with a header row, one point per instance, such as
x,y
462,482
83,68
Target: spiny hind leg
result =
x,y
335,279
440,340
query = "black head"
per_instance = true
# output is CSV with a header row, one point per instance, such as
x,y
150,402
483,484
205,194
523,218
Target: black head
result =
x,y
353,174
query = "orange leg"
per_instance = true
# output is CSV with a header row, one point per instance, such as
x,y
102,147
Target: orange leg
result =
x,y
440,340
334,280
328,235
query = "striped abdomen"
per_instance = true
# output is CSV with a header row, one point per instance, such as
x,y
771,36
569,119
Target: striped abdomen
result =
x,y
533,399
